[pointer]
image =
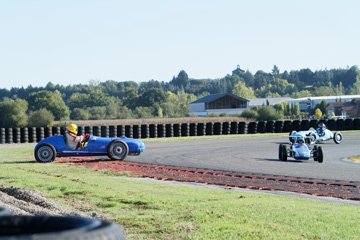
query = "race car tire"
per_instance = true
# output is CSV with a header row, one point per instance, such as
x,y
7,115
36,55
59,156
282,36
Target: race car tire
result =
x,y
45,153
280,153
319,156
290,138
337,137
283,153
117,150
56,227
312,137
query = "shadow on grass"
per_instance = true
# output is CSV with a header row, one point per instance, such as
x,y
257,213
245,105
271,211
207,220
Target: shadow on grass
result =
x,y
17,162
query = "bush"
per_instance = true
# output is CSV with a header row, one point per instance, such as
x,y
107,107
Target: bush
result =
x,y
249,113
267,113
13,113
41,118
213,115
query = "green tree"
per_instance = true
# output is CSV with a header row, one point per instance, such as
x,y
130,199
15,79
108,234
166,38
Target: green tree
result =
x,y
13,113
52,101
79,114
152,96
97,113
41,118
241,90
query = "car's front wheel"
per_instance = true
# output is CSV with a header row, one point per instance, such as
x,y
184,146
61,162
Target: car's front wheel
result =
x,y
117,150
45,153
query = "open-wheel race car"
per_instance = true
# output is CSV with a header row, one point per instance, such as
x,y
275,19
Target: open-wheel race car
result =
x,y
115,148
318,135
301,148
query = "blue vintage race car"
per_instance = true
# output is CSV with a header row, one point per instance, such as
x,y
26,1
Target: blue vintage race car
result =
x,y
115,148
318,135
300,149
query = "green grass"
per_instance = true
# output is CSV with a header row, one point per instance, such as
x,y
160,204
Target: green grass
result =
x,y
160,211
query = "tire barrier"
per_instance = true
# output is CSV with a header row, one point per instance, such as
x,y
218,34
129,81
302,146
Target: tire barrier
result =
x,y
16,135
177,130
2,135
8,135
153,131
144,131
217,128
357,124
243,128
297,125
305,125
349,124
252,127
340,124
234,128
314,123
57,227
128,131
192,129
279,125
201,129
104,131
136,131
287,126
185,131
226,128
169,132
161,130
209,128
120,131
331,125
270,126
24,135
96,131
32,134
261,127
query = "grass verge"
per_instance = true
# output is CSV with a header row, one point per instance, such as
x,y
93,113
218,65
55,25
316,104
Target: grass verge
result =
x,y
158,211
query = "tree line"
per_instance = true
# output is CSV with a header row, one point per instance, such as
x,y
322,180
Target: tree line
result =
x,y
40,106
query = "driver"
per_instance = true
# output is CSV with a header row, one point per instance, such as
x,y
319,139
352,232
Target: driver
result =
x,y
301,140
321,129
72,139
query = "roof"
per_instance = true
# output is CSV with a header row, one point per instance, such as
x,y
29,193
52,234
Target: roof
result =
x,y
212,97
272,101
328,97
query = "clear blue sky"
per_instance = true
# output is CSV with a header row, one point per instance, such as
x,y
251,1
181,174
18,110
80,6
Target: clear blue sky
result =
x,y
75,41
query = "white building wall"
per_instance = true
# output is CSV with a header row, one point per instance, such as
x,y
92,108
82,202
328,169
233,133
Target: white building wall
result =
x,y
218,111
196,107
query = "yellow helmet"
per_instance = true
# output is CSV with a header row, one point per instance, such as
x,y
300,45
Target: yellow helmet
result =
x,y
72,128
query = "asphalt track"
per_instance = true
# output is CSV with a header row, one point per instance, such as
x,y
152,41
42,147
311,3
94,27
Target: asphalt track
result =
x,y
256,155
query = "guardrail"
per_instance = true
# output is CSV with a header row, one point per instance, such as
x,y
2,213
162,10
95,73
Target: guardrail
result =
x,y
33,135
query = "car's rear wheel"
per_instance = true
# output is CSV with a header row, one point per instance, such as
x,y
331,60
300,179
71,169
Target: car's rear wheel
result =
x,y
312,137
45,153
291,139
337,137
117,150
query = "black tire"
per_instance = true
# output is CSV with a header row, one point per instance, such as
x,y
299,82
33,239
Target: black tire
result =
x,y
280,153
283,153
337,137
5,212
318,154
312,137
117,150
45,153
55,227
290,138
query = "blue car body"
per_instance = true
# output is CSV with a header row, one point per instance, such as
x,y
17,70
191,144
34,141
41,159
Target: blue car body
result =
x,y
55,146
301,148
